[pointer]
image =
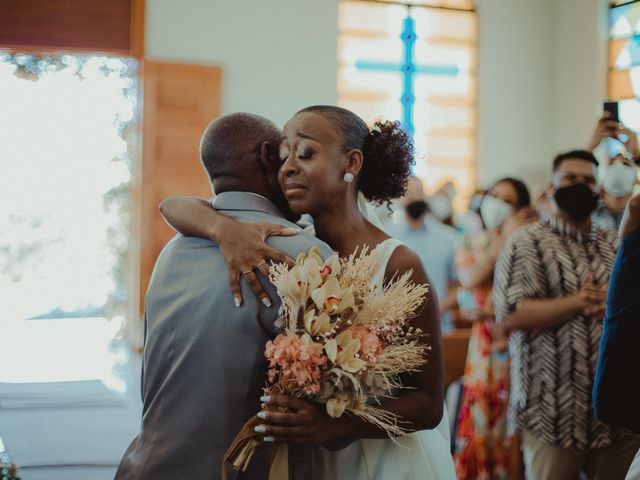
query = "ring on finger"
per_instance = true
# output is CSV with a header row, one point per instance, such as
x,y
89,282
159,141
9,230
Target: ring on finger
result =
x,y
248,271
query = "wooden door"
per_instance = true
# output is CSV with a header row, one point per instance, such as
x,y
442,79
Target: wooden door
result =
x,y
179,102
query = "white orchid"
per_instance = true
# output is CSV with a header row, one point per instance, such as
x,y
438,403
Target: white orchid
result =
x,y
342,351
299,282
330,268
331,298
317,324
337,405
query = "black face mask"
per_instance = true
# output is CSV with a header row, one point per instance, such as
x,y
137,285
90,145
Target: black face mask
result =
x,y
578,200
416,209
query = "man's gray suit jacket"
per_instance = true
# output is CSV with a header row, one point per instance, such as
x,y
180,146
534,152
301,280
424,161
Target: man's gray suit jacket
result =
x,y
204,365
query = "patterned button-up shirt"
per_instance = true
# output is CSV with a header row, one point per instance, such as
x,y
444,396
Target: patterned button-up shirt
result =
x,y
552,370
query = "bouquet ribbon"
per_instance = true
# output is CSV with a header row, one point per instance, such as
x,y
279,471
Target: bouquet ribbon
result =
x,y
243,447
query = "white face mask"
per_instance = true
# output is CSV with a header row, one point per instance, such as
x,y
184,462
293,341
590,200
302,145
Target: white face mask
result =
x,y
494,212
619,179
440,207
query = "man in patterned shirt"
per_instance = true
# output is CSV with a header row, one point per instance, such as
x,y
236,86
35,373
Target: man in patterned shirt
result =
x,y
549,291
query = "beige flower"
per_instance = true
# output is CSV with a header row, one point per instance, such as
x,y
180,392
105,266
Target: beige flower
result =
x,y
330,268
337,405
342,351
317,324
299,282
331,298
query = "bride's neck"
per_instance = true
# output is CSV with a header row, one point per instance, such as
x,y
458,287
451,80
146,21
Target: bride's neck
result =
x,y
344,229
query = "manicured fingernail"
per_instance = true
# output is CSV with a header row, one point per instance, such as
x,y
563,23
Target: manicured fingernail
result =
x,y
237,300
268,439
259,429
290,231
262,415
266,302
265,398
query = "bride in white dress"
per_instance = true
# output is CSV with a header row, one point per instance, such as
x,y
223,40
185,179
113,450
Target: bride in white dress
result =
x,y
419,455
327,156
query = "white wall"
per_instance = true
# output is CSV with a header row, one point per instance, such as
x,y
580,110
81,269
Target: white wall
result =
x,y
278,55
542,78
581,69
542,67
515,87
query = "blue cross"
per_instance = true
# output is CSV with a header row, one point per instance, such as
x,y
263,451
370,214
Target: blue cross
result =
x,y
408,69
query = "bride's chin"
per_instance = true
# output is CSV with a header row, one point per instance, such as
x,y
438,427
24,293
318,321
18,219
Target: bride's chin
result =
x,y
300,208
297,208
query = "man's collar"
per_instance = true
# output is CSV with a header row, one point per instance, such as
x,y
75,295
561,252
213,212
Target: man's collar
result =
x,y
245,201
564,228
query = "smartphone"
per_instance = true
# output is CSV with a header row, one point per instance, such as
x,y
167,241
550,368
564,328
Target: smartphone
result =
x,y
612,108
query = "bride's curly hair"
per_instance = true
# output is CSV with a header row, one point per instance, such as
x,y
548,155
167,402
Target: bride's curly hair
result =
x,y
387,151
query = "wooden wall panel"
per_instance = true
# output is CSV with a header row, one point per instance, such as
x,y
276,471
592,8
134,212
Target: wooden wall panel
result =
x,y
109,26
179,102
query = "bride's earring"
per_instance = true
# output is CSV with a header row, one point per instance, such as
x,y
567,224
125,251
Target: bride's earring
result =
x,y
348,177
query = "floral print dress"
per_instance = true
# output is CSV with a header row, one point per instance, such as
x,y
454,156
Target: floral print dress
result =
x,y
482,447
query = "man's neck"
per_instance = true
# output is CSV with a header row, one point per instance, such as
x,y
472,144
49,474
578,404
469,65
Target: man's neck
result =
x,y
415,223
221,185
616,204
583,225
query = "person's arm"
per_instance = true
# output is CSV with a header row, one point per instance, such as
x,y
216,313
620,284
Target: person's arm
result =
x,y
193,217
632,141
243,245
449,302
519,297
421,406
631,218
542,314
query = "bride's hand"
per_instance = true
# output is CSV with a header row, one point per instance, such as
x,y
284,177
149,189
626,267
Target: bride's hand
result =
x,y
245,250
305,422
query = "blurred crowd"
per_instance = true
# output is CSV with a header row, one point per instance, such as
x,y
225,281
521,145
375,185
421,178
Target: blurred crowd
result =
x,y
528,278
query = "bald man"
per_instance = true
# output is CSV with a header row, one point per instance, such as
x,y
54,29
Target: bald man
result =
x,y
204,363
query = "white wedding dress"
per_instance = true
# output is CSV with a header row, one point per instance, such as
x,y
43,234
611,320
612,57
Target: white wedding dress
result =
x,y
423,455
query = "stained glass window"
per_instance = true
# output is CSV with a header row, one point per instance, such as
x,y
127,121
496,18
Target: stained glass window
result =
x,y
624,60
415,62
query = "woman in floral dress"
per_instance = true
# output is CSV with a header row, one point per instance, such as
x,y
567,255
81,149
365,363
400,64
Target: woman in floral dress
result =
x,y
482,448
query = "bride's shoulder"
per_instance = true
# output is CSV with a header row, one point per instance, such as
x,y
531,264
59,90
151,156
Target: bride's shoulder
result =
x,y
403,259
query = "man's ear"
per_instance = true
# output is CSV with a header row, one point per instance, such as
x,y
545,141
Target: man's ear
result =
x,y
269,157
354,161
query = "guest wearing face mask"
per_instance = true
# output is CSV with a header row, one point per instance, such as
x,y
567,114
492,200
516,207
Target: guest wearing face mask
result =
x,y
620,177
616,144
435,244
471,221
441,203
482,447
550,288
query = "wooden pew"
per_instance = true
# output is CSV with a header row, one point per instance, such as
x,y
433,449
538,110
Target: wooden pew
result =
x,y
454,346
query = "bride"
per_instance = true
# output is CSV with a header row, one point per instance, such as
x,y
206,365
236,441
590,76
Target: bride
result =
x,y
330,158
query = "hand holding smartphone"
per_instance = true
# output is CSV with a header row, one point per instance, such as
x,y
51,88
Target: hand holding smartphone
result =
x,y
612,109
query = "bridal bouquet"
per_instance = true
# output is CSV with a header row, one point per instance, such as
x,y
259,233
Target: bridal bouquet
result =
x,y
344,344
